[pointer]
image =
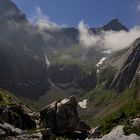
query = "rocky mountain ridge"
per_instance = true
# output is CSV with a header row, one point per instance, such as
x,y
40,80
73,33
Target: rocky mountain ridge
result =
x,y
32,67
25,56
126,65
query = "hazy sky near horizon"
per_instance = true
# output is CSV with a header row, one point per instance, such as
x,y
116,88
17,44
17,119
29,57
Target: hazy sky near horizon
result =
x,y
94,12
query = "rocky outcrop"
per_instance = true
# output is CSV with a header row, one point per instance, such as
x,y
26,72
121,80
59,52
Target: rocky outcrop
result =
x,y
117,134
17,116
14,112
8,130
34,136
95,133
62,118
128,73
136,122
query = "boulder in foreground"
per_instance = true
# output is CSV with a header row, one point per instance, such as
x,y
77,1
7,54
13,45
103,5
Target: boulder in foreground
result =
x,y
62,118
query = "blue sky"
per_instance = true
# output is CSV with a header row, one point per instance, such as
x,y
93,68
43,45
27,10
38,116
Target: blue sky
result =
x,y
93,12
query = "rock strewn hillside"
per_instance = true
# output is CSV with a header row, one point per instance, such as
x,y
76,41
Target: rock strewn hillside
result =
x,y
14,115
17,121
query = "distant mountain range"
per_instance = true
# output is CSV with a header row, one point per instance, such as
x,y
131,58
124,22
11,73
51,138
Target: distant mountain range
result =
x,y
42,66
25,55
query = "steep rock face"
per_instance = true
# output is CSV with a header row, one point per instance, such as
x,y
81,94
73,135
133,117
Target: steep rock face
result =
x,y
23,64
66,76
61,37
22,72
129,69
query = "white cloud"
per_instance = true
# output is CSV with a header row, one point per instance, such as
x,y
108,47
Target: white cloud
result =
x,y
121,39
138,6
87,38
107,39
42,21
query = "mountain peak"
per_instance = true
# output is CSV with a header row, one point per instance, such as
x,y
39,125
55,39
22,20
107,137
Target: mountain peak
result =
x,y
114,25
115,20
9,11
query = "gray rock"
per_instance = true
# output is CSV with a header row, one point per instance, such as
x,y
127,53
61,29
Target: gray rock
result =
x,y
136,122
10,130
127,73
2,133
95,133
17,116
62,117
117,134
65,116
6,129
47,116
34,136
